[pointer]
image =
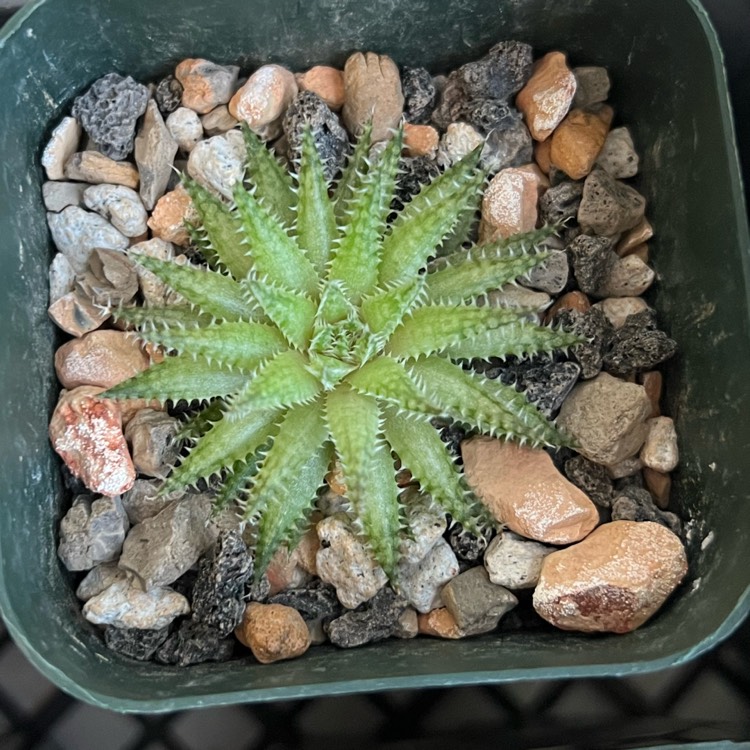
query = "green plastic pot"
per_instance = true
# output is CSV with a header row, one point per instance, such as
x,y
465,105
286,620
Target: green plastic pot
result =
x,y
668,84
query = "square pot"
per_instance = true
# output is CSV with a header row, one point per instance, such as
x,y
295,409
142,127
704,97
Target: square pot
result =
x,y
668,85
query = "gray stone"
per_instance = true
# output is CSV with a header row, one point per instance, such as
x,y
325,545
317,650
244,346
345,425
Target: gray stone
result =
x,y
345,562
596,330
220,585
551,276
308,110
135,643
606,417
378,619
618,155
160,549
508,144
185,127
427,523
413,174
592,259
498,75
512,295
618,309
120,206
515,562
560,203
142,501
110,280
609,207
61,146
60,195
592,478
218,121
218,163
124,604
108,112
628,468
420,583
61,277
408,624
592,85
634,504
477,604
150,435
77,232
487,115
155,292
638,345
468,547
420,95
155,150
98,579
451,103
92,532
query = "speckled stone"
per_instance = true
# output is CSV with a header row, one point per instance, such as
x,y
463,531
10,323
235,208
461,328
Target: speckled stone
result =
x,y
195,642
560,203
592,259
62,144
514,562
618,155
628,277
636,504
168,95
135,643
420,582
551,276
592,85
119,205
613,581
218,163
608,206
592,478
638,345
420,95
597,331
375,621
458,140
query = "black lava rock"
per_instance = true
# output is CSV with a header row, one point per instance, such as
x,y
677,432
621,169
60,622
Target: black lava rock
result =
x,y
134,642
487,115
594,326
634,504
420,95
451,434
451,103
108,112
331,140
220,585
194,643
373,621
468,547
509,144
638,345
592,478
560,203
413,173
546,383
186,583
592,259
168,95
500,74
318,600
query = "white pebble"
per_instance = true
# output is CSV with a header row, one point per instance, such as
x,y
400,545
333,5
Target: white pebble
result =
x,y
185,127
660,451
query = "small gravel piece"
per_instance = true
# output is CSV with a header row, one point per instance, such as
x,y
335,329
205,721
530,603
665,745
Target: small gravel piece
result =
x,y
168,95
592,478
638,345
135,643
635,504
420,95
374,621
195,643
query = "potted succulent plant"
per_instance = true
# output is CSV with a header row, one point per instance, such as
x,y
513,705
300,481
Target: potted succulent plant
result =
x,y
329,393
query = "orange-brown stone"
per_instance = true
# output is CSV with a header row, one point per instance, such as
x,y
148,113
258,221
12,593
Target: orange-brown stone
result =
x,y
652,382
326,82
547,96
420,140
206,85
523,490
170,213
659,485
577,301
542,155
578,139
273,632
612,581
439,623
635,237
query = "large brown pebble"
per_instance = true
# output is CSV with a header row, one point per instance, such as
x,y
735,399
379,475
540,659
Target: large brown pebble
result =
x,y
524,491
273,632
326,82
578,140
547,97
613,581
263,99
372,87
87,433
102,358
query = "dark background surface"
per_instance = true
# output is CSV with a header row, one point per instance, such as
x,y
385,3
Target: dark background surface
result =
x,y
707,700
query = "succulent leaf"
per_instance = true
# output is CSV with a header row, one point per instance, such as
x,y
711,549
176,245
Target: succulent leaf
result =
x,y
222,229
270,179
275,254
180,378
212,292
288,478
354,423
317,330
357,256
428,217
316,224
